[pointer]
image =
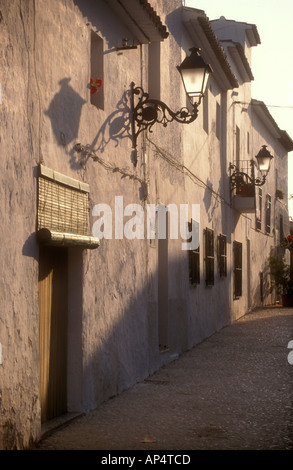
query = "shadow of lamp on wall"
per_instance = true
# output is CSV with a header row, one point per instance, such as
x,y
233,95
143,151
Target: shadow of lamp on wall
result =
x,y
147,111
64,113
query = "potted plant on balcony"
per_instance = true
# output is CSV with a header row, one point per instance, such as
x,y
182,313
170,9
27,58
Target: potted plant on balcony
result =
x,y
283,279
243,184
245,190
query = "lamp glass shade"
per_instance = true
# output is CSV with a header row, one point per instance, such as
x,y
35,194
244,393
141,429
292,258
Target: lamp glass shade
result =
x,y
264,160
194,73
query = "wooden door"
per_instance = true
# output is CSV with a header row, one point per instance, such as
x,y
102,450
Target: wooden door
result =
x,y
53,279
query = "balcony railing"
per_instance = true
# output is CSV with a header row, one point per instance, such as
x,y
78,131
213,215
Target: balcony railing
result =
x,y
242,175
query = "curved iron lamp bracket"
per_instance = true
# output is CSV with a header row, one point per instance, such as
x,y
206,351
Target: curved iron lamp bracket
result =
x,y
146,112
240,178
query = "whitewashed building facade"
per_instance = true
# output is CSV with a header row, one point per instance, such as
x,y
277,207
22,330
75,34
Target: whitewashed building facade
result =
x,y
83,319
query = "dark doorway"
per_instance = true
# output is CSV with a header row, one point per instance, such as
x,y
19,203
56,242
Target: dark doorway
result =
x,y
163,291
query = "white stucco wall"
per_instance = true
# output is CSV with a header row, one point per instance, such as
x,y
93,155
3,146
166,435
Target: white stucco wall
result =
x,y
19,267
116,313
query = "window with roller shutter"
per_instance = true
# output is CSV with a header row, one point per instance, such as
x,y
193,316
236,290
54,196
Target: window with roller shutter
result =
x,y
63,210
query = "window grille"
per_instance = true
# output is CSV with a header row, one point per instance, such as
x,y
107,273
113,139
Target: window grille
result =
x,y
222,255
209,257
237,249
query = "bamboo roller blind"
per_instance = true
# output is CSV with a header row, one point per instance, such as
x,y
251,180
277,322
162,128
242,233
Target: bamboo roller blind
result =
x,y
62,203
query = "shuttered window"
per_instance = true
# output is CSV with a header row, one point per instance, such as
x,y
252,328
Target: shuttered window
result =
x,y
194,262
237,249
209,257
222,255
268,213
194,266
63,209
258,213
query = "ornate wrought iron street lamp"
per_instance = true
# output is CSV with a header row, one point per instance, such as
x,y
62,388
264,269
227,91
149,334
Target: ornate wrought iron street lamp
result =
x,y
147,111
241,178
264,159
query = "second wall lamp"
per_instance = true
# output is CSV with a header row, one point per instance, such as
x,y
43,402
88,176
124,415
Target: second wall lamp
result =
x,y
240,178
194,73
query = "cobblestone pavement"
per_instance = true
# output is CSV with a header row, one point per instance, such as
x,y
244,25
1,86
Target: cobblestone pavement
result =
x,y
233,391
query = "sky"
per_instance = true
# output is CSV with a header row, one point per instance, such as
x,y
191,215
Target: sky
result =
x,y
272,60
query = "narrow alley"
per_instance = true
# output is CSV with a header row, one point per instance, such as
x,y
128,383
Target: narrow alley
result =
x,y
233,391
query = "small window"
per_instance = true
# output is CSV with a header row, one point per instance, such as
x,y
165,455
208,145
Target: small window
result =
x,y
261,286
237,146
97,70
222,255
237,249
218,121
154,70
282,236
248,142
205,107
194,264
268,213
209,257
258,213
